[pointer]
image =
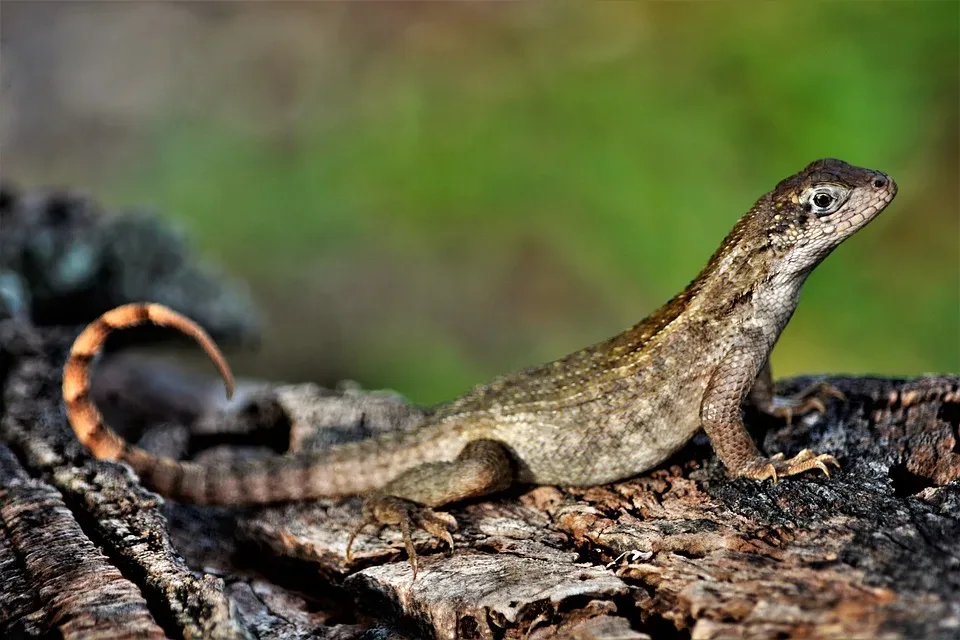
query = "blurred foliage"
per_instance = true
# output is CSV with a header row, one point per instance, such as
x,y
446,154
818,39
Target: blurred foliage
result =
x,y
454,193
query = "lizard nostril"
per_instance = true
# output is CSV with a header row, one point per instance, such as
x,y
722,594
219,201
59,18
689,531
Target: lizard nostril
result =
x,y
880,182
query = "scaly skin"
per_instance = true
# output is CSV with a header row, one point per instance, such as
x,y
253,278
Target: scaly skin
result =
x,y
604,413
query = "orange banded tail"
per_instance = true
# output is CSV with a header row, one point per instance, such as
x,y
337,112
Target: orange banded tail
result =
x,y
350,468
84,417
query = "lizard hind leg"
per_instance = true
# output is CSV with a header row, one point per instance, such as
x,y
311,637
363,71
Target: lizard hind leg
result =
x,y
481,468
387,510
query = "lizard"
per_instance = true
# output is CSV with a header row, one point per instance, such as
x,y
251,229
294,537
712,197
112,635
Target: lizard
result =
x,y
604,413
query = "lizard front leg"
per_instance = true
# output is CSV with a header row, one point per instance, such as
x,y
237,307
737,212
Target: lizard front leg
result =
x,y
720,412
762,397
483,467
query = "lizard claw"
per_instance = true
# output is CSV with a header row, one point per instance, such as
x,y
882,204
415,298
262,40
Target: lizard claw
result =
x,y
776,466
367,521
807,400
390,510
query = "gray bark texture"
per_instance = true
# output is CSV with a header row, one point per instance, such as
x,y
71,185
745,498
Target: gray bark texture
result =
x,y
680,552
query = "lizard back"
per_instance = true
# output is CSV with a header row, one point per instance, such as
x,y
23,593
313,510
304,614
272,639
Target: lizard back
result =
x,y
584,375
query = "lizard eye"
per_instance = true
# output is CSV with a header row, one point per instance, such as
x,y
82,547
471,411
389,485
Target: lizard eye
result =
x,y
824,200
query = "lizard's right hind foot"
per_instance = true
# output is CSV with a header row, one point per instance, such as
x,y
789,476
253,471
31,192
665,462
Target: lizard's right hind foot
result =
x,y
386,510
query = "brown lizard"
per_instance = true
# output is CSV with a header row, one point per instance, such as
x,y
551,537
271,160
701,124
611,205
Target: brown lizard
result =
x,y
604,413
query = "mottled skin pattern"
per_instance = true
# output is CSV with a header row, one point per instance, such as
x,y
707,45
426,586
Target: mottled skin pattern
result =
x,y
604,413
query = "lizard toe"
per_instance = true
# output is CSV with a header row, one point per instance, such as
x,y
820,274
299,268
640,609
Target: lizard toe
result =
x,y
386,510
437,523
777,466
805,401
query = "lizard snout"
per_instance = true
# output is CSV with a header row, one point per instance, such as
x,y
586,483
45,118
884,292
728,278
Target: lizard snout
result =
x,y
883,182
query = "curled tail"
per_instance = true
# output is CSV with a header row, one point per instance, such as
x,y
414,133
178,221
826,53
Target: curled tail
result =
x,y
350,468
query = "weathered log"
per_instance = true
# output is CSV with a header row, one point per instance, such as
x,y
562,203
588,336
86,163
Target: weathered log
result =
x,y
872,552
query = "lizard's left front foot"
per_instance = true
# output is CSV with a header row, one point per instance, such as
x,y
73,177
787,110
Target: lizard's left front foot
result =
x,y
390,510
776,466
798,404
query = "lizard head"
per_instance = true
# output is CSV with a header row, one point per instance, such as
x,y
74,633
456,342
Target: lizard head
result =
x,y
815,210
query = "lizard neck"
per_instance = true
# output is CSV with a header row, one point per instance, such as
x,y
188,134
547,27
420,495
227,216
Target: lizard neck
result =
x,y
745,279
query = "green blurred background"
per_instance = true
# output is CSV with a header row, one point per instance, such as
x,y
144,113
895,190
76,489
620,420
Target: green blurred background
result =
x,y
422,196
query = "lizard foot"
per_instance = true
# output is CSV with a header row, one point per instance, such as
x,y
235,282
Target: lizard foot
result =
x,y
809,399
387,510
776,466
